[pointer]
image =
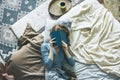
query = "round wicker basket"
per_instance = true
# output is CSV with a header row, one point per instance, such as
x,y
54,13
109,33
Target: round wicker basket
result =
x,y
59,7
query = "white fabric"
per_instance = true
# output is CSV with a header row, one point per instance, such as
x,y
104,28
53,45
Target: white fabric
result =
x,y
36,18
49,24
91,72
95,36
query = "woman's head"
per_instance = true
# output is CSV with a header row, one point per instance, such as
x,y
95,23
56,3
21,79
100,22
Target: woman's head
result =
x,y
61,27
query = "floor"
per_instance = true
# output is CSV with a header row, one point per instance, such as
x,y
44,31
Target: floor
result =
x,y
10,12
114,7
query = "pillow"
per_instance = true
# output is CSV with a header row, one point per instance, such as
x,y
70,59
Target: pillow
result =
x,y
50,23
28,33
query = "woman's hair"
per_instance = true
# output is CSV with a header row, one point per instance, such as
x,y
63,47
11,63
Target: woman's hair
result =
x,y
64,28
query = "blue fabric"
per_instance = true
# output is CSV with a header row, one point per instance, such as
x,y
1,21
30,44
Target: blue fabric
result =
x,y
59,35
59,57
91,72
57,74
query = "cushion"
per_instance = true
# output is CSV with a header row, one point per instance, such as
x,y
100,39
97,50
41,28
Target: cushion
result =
x,y
28,33
27,63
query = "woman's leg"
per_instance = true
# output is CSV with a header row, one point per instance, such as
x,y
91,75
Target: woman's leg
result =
x,y
52,75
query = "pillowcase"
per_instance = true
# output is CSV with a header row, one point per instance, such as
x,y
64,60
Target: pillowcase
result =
x,y
29,33
50,23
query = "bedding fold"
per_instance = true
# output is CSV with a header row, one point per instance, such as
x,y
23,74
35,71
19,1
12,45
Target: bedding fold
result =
x,y
95,36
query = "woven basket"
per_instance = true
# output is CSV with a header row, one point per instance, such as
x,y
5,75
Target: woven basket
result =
x,y
59,7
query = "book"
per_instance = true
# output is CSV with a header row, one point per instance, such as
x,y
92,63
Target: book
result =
x,y
59,36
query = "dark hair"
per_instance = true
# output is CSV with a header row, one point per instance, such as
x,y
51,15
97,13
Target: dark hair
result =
x,y
64,28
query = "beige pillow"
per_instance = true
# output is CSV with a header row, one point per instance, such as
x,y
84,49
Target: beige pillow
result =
x,y
29,33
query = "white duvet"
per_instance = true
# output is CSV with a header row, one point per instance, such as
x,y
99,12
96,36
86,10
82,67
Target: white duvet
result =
x,y
95,36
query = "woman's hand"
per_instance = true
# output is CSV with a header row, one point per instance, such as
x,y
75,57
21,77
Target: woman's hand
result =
x,y
51,48
51,42
65,46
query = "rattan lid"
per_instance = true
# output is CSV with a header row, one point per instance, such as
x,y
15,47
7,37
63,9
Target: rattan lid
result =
x,y
59,7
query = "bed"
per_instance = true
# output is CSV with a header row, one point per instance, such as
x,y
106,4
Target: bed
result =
x,y
96,57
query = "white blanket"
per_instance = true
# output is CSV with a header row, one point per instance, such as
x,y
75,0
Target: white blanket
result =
x,y
95,36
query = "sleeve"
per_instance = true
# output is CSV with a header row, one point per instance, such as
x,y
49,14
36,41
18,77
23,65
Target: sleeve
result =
x,y
45,53
71,61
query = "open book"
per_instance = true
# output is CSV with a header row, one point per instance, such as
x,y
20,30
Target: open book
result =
x,y
59,36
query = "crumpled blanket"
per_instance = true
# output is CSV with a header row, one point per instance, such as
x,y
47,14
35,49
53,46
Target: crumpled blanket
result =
x,y
57,74
95,36
27,63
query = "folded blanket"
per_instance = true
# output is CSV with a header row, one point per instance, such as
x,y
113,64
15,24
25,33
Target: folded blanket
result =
x,y
95,36
27,63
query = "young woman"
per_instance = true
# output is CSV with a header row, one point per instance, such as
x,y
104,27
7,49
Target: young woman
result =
x,y
54,56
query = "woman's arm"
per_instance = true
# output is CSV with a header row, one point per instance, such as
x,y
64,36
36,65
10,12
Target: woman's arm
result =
x,y
51,49
71,61
47,55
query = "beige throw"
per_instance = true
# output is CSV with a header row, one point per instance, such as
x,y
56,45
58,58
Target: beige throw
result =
x,y
95,36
